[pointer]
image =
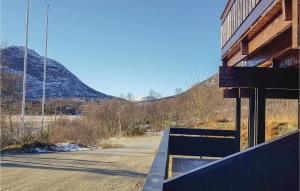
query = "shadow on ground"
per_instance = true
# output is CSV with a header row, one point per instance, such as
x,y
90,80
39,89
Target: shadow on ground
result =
x,y
47,166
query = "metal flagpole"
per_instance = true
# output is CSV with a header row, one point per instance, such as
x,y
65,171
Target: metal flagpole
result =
x,y
25,66
45,67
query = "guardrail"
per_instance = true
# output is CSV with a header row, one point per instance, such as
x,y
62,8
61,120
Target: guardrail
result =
x,y
189,142
269,166
203,142
159,169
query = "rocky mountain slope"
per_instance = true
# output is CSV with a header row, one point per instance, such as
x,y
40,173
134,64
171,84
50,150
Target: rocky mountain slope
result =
x,y
60,81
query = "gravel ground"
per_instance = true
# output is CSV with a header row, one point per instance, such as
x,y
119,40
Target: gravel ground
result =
x,y
99,169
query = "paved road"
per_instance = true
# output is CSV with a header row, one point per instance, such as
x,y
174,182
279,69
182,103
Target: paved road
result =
x,y
101,169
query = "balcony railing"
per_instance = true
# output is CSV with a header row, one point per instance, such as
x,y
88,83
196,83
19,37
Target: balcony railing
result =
x,y
237,14
189,143
237,19
272,165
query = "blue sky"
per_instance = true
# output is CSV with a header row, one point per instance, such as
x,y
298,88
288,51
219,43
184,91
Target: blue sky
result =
x,y
120,46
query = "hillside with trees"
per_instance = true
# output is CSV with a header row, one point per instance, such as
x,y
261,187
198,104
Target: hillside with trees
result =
x,y
201,106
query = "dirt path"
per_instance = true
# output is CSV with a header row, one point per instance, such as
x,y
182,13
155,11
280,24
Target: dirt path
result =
x,y
101,169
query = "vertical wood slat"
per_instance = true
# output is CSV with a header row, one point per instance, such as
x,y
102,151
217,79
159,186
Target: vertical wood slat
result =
x,y
237,13
252,14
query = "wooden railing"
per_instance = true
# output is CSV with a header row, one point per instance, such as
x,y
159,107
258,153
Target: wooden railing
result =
x,y
269,166
159,169
203,142
189,142
235,16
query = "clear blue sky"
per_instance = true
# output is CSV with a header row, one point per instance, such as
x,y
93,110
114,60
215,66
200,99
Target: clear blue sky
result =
x,y
120,46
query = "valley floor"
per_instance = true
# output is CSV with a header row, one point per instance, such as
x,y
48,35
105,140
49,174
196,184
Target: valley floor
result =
x,y
112,169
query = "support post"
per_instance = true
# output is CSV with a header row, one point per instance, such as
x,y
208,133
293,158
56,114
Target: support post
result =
x,y
251,121
260,115
238,121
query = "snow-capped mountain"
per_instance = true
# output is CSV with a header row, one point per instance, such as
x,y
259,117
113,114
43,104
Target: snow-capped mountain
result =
x,y
60,81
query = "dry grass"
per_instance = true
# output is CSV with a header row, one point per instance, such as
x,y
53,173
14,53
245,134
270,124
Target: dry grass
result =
x,y
14,133
96,169
109,144
276,125
80,131
280,125
114,117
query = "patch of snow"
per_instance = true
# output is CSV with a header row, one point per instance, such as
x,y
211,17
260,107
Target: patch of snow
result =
x,y
153,132
40,150
141,99
67,147
61,147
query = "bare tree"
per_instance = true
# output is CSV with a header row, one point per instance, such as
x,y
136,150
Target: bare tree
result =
x,y
122,96
3,44
154,95
130,96
9,90
178,91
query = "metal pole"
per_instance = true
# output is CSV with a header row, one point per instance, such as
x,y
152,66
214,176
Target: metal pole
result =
x,y
25,65
45,67
238,122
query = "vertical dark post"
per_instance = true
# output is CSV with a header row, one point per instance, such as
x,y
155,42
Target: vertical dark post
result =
x,y
251,121
299,110
260,114
224,62
238,122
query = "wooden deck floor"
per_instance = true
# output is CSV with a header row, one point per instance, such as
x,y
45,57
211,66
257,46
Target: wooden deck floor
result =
x,y
183,164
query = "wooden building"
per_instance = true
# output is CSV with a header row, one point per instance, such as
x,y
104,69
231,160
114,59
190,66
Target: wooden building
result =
x,y
260,60
260,56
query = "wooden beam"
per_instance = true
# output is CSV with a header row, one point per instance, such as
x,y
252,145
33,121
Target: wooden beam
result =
x,y
254,77
295,24
274,48
275,27
287,9
244,47
270,93
236,58
289,59
237,92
